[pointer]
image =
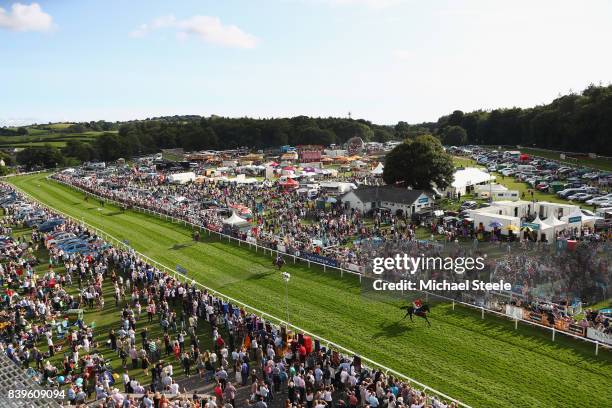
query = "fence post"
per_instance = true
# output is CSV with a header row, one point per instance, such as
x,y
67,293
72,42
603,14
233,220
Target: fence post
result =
x,y
553,335
453,305
596,347
482,309
309,264
515,324
324,268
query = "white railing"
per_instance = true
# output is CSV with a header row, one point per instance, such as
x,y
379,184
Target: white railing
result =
x,y
230,238
222,296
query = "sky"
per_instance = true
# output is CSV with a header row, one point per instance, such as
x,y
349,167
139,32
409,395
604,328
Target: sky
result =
x,y
381,60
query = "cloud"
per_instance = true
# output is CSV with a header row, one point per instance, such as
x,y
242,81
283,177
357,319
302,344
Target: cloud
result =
x,y
24,17
208,29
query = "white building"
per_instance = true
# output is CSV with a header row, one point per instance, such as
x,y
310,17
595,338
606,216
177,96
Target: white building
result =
x,y
550,218
496,191
409,202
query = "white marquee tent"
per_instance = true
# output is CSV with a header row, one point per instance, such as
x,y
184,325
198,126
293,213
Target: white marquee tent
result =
x,y
468,177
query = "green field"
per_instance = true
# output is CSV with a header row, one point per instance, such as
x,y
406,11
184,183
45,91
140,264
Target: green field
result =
x,y
39,137
484,363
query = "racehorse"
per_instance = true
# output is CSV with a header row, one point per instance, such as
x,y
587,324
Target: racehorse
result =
x,y
421,312
278,262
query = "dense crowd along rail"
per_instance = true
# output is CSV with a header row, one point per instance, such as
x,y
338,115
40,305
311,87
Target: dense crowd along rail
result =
x,y
278,322
532,320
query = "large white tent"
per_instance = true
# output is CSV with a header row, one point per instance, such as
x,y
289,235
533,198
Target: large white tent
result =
x,y
470,176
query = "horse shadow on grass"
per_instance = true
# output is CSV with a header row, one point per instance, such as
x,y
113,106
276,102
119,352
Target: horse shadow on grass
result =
x,y
393,329
178,246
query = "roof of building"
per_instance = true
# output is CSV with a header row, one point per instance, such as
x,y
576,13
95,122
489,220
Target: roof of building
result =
x,y
470,176
387,193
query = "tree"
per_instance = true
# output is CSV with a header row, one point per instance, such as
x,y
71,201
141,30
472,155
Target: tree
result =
x,y
316,136
382,135
45,156
419,164
79,150
110,146
454,136
402,130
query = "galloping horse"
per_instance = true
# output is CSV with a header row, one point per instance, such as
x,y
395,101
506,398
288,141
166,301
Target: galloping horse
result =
x,y
421,312
278,262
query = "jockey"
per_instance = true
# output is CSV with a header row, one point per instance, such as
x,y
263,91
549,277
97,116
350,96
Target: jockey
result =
x,y
417,305
279,261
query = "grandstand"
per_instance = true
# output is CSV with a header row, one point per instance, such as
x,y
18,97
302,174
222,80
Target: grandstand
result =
x,y
13,380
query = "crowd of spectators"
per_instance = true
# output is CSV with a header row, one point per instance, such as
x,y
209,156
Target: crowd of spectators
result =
x,y
295,224
58,349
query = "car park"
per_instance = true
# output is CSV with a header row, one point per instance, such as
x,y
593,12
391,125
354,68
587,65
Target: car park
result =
x,y
604,204
600,199
581,197
570,192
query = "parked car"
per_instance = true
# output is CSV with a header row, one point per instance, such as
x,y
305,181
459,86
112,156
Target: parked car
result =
x,y
579,197
570,191
469,205
600,199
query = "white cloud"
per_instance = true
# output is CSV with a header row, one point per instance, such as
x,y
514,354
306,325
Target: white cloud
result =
x,y
206,28
24,17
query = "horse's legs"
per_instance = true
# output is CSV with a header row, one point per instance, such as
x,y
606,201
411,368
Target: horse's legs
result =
x,y
411,317
427,320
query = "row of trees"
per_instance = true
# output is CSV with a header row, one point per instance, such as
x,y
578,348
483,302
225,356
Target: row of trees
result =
x,y
7,131
575,122
199,133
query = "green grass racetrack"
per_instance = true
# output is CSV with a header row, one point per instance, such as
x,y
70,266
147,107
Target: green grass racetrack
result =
x,y
484,363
